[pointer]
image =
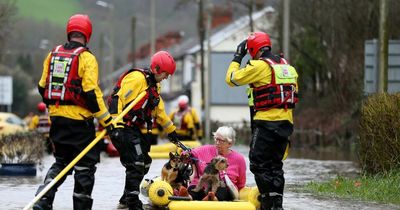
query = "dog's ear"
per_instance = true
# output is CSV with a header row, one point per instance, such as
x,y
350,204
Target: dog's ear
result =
x,y
214,161
171,156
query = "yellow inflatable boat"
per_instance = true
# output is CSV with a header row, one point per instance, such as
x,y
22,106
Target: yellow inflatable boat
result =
x,y
161,151
160,194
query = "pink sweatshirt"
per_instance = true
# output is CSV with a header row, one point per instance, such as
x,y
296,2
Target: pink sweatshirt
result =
x,y
236,170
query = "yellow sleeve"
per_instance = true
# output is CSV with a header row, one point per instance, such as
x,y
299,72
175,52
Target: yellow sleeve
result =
x,y
42,81
253,72
89,72
132,85
188,119
172,114
196,118
34,122
162,118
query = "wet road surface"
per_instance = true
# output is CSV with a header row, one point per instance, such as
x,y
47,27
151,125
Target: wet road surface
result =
x,y
16,192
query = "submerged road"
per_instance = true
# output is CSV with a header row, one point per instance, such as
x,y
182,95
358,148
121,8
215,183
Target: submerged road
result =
x,y
16,192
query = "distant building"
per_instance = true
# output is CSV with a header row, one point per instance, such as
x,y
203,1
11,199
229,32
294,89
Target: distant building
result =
x,y
372,64
226,104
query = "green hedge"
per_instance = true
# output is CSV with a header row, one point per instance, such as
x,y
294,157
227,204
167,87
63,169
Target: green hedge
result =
x,y
379,144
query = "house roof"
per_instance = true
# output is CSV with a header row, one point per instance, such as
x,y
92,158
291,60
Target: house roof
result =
x,y
232,28
191,45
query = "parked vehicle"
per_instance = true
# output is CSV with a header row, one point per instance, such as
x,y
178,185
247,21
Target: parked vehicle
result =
x,y
11,123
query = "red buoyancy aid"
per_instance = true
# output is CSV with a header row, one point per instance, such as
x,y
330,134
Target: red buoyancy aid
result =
x,y
179,117
281,92
141,112
63,84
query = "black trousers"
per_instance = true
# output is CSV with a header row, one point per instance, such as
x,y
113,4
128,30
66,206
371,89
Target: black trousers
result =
x,y
70,137
267,148
133,148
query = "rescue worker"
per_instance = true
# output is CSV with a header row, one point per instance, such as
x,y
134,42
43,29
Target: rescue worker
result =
x,y
41,123
127,138
186,120
69,88
274,83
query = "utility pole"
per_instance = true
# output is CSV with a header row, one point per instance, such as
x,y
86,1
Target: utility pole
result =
x,y
286,31
207,86
152,27
250,7
201,31
101,56
133,39
383,47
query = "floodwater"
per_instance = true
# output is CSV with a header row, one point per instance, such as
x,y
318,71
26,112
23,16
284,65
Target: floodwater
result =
x,y
16,192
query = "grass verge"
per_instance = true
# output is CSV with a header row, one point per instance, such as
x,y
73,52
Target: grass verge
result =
x,y
383,188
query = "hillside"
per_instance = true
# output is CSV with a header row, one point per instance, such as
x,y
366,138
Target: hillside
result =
x,y
55,11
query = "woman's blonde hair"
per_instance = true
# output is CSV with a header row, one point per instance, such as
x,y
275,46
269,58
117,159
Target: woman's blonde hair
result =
x,y
226,132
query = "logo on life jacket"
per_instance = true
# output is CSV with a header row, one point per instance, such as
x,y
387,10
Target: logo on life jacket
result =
x,y
281,92
63,84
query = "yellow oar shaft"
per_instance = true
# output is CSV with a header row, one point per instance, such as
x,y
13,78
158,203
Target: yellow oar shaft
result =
x,y
83,153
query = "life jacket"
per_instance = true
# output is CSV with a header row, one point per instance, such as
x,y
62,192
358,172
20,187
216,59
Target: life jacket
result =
x,y
179,119
141,112
63,84
44,124
281,92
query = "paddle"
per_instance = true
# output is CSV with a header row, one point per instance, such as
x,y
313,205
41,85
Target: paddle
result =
x,y
86,150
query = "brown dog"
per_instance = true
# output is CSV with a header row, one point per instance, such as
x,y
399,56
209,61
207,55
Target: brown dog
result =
x,y
170,170
211,175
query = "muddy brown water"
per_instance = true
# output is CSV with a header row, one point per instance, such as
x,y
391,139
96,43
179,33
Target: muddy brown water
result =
x,y
16,192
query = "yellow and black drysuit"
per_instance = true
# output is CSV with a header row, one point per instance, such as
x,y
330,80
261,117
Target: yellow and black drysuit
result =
x,y
274,84
69,88
184,122
197,123
130,142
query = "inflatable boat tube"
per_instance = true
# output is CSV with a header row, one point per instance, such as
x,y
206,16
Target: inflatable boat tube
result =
x,y
160,194
160,151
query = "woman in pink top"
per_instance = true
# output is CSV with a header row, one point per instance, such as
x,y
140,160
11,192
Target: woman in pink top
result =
x,y
224,139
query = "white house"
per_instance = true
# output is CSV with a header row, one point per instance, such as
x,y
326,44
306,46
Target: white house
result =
x,y
226,104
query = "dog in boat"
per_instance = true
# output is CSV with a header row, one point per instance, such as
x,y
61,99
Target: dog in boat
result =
x,y
210,177
170,170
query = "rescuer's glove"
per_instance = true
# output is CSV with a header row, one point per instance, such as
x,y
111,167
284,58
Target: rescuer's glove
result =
x,y
241,51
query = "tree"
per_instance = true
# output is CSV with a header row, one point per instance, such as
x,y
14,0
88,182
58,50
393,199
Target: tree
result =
x,y
7,11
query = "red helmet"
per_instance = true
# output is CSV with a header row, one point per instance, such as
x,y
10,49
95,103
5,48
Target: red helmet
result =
x,y
80,23
256,41
161,62
183,101
41,107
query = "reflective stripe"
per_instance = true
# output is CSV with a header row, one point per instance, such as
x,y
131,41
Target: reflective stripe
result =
x,y
147,165
104,115
145,103
169,123
270,61
274,194
139,163
57,48
128,93
78,195
138,149
77,49
232,80
81,168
